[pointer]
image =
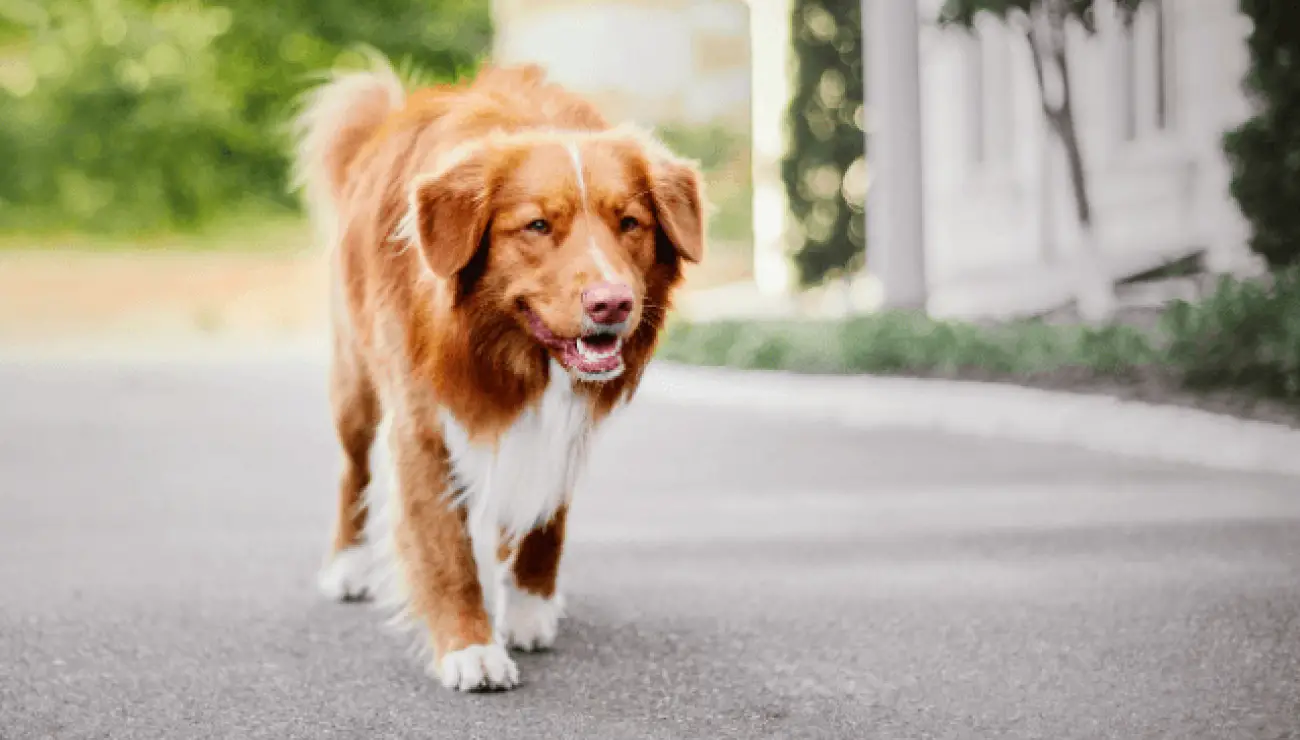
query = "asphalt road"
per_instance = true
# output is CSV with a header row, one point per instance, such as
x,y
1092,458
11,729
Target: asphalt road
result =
x,y
728,577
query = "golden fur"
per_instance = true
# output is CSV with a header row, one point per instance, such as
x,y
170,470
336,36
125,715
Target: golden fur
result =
x,y
444,281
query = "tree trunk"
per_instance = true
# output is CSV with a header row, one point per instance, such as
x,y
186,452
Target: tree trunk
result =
x,y
1063,123
1094,288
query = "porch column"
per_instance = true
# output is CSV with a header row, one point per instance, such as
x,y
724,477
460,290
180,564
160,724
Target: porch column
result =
x,y
894,215
769,34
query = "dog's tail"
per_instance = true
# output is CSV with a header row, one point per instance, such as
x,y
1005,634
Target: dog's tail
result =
x,y
336,120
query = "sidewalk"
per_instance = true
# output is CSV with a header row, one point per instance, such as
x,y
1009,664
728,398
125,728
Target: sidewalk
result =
x,y
208,304
69,295
55,296
1099,423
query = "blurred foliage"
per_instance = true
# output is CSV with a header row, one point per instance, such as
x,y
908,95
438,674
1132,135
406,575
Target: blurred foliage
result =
x,y
1265,150
713,146
723,154
147,115
824,169
908,343
1245,336
963,12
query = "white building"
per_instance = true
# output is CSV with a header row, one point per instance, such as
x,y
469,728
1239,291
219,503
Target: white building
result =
x,y
649,60
1152,104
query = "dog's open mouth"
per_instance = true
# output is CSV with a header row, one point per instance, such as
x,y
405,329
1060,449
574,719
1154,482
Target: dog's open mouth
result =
x,y
595,356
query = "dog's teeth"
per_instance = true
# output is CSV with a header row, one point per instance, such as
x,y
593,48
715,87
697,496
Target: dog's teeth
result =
x,y
591,354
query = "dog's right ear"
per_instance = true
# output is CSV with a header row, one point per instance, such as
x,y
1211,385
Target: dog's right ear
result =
x,y
450,212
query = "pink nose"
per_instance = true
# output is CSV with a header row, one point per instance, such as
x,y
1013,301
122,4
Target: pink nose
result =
x,y
607,303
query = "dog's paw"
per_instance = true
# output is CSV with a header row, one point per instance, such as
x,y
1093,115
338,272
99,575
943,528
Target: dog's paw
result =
x,y
478,668
346,577
528,622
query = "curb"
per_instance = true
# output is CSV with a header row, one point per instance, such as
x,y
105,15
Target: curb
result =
x,y
1099,423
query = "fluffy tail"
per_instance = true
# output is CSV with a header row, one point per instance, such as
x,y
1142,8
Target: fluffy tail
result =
x,y
336,120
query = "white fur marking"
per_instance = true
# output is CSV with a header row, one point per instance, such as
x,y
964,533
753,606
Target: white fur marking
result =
x,y
577,168
387,580
523,620
478,667
346,577
602,262
521,482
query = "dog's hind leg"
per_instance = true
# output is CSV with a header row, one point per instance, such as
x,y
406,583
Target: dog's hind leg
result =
x,y
357,414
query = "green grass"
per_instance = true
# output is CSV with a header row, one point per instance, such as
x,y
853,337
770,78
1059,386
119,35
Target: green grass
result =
x,y
1244,337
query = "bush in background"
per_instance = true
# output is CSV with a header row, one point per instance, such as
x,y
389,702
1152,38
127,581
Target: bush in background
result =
x,y
906,343
824,169
1265,150
1243,337
1246,335
144,115
724,156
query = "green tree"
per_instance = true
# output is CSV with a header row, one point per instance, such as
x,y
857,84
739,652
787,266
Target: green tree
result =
x,y
1042,24
826,136
1265,150
154,115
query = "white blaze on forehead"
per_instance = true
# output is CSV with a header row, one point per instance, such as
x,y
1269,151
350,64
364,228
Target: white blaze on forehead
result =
x,y
602,262
577,168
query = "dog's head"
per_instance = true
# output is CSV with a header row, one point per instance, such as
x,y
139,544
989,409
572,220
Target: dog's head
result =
x,y
577,238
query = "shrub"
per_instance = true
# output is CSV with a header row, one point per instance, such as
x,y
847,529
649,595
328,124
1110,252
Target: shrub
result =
x,y
118,116
826,138
148,115
1246,335
909,343
1265,150
723,155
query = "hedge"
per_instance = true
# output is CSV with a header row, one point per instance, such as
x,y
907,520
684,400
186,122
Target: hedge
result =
x,y
1245,336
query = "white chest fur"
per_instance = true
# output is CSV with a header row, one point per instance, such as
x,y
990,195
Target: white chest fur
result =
x,y
519,482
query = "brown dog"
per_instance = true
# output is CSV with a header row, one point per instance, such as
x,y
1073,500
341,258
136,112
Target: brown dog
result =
x,y
503,260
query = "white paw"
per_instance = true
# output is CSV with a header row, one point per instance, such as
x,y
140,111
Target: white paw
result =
x,y
478,668
346,577
527,621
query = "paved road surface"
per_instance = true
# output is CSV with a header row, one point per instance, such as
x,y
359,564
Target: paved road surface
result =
x,y
729,577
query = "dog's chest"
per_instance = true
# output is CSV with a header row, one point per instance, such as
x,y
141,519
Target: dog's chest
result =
x,y
523,479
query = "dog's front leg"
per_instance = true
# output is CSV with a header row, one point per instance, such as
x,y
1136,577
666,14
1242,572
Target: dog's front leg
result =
x,y
529,607
436,558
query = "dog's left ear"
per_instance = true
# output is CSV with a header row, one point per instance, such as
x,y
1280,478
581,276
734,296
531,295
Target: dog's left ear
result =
x,y
678,192
450,212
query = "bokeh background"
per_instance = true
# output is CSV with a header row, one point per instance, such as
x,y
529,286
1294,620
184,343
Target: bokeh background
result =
x,y
1125,169
145,142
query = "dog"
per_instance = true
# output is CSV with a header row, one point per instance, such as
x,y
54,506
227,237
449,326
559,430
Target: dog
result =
x,y
502,259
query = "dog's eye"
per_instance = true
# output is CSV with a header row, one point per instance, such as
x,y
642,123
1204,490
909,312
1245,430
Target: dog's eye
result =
x,y
539,225
628,224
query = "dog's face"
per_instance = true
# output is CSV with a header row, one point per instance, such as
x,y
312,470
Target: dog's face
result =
x,y
573,236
